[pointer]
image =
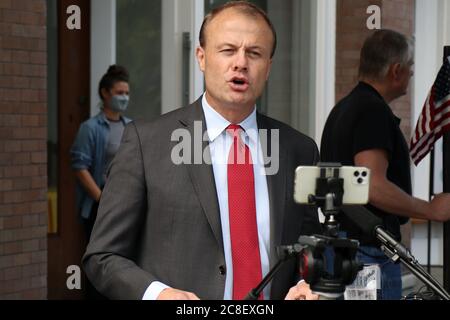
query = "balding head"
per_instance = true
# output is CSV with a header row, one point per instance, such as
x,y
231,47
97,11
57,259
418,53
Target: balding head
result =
x,y
240,7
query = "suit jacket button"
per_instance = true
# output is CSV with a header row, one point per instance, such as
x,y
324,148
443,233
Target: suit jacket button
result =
x,y
222,270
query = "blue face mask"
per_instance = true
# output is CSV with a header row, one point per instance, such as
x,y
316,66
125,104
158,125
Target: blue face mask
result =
x,y
119,103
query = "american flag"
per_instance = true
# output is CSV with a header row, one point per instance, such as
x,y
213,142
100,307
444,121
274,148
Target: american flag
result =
x,y
434,120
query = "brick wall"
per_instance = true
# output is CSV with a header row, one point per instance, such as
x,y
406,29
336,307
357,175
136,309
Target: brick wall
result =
x,y
352,31
23,163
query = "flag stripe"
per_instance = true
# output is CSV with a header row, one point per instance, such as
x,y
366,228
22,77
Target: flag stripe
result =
x,y
439,118
419,156
425,139
434,119
425,147
444,108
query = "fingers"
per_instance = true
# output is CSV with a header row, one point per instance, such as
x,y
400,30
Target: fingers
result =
x,y
301,291
295,294
174,294
192,296
311,296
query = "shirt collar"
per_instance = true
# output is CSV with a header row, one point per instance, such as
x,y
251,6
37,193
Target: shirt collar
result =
x,y
102,118
367,86
216,123
370,88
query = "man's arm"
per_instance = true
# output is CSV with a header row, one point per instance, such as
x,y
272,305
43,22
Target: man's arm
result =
x,y
388,197
160,291
109,258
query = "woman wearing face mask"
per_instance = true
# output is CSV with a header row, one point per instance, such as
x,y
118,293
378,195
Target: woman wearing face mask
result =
x,y
97,142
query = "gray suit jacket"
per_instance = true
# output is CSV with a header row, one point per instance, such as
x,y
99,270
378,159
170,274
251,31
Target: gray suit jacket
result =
x,y
160,222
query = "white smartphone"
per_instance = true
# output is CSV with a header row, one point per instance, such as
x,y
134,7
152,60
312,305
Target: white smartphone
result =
x,y
356,184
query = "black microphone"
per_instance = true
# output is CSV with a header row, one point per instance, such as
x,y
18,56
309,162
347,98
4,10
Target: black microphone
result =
x,y
363,218
371,224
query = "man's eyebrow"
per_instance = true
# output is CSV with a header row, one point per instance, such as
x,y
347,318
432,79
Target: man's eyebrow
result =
x,y
227,44
255,48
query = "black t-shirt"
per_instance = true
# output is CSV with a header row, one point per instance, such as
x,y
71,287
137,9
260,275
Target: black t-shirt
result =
x,y
364,121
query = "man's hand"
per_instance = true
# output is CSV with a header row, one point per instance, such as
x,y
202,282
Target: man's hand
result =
x,y
440,207
174,294
301,291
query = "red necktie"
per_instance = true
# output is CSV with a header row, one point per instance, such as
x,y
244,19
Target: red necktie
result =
x,y
242,213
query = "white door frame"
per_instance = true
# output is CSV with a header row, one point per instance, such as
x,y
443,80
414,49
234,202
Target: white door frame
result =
x,y
179,16
103,44
325,64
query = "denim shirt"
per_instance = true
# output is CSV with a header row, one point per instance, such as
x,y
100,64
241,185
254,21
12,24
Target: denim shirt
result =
x,y
88,152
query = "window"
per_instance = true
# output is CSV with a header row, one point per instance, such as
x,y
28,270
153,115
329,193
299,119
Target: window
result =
x,y
138,48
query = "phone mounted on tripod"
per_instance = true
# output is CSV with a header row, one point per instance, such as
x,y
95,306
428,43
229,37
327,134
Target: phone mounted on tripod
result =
x,y
328,262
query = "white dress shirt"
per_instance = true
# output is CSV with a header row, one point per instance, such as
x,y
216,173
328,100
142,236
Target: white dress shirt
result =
x,y
220,143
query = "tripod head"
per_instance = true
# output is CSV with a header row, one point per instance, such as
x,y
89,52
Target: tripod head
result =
x,y
328,263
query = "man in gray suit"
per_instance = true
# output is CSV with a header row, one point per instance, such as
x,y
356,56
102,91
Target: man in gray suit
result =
x,y
178,218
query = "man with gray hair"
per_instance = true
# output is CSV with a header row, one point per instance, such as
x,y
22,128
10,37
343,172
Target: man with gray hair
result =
x,y
363,131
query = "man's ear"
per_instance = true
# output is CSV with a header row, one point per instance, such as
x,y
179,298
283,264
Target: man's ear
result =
x,y
200,53
395,71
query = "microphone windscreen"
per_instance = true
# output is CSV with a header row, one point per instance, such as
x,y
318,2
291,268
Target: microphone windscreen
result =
x,y
362,217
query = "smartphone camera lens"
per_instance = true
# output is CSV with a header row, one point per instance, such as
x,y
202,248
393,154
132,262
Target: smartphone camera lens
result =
x,y
356,174
360,180
364,174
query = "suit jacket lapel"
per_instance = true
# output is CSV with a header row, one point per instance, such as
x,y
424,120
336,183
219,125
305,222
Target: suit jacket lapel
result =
x,y
202,175
277,191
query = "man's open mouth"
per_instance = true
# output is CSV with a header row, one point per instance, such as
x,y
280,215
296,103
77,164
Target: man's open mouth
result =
x,y
239,81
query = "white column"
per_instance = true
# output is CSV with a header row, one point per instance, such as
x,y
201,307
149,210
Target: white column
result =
x,y
171,58
179,16
197,83
325,53
444,10
103,44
